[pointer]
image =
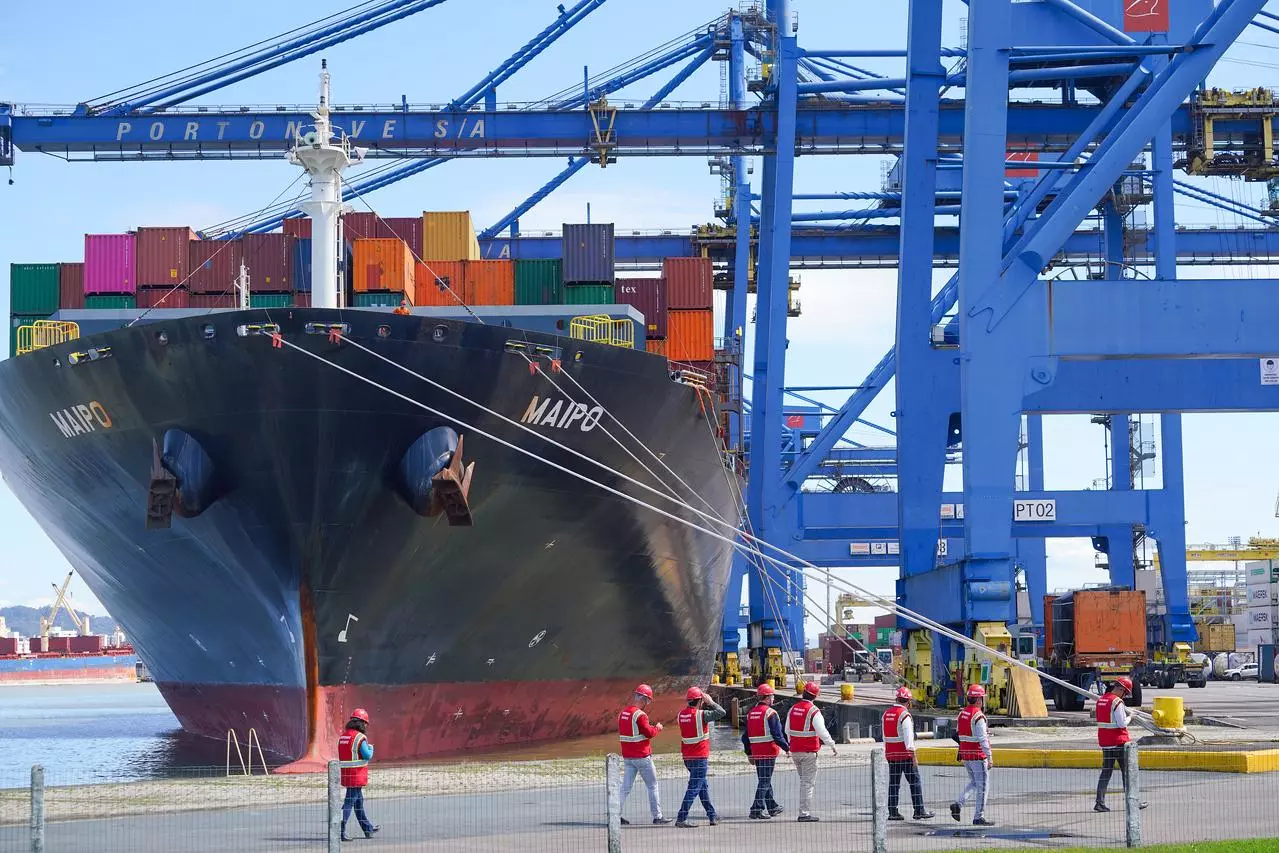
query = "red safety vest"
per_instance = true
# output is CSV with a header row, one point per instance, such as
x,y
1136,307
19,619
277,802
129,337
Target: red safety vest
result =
x,y
800,729
634,742
349,750
1109,733
969,746
894,741
757,733
694,735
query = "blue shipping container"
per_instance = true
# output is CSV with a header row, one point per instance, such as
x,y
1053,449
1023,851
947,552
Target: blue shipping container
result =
x,y
588,254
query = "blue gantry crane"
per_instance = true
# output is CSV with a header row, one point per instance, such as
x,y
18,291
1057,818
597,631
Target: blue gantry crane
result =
x,y
1037,187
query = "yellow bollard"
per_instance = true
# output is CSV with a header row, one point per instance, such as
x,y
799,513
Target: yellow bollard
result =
x,y
714,679
799,686
846,692
772,682
1169,712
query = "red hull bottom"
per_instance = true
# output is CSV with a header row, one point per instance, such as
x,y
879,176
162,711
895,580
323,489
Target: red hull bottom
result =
x,y
106,673
415,721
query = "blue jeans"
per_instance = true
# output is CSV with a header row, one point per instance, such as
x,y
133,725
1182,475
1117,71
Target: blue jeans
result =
x,y
698,788
764,788
355,800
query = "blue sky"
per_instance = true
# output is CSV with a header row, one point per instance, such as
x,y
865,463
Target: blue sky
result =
x,y
91,48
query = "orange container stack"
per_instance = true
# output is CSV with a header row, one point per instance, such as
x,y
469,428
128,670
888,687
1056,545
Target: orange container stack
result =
x,y
382,264
430,291
690,335
656,345
489,283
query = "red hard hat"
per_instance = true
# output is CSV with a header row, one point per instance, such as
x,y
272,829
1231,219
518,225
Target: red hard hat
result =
x,y
904,694
764,689
812,688
360,714
695,693
976,691
1125,682
645,691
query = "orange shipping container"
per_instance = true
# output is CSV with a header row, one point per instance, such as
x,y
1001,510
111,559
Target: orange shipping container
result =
x,y
489,283
383,264
1110,621
656,345
429,291
690,335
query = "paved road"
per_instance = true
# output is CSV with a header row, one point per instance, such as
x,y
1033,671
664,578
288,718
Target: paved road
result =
x,y
1034,808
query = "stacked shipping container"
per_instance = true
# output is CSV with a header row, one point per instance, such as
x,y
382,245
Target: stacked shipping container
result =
x,y
690,321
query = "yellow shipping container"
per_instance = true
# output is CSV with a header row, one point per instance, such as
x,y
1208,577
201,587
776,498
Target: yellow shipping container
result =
x,y
449,236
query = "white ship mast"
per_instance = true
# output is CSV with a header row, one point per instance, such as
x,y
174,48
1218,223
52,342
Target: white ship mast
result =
x,y
325,156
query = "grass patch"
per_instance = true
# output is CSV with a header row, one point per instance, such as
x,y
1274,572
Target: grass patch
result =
x,y
1249,845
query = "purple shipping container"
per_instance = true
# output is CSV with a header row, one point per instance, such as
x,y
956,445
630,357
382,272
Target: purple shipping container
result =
x,y
690,282
214,265
588,254
647,296
356,226
71,285
109,263
269,258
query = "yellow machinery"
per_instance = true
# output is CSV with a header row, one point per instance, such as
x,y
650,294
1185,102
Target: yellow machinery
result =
x,y
982,669
1254,161
770,668
727,669
917,665
1258,548
603,329
45,333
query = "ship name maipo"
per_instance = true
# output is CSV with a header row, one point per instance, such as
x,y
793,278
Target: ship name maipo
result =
x,y
81,419
563,414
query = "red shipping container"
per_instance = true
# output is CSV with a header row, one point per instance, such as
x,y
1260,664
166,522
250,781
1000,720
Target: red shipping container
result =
x,y
648,296
407,228
269,258
60,644
71,285
691,336
357,226
690,283
213,300
8,645
163,297
299,226
302,299
93,643
162,256
214,265
429,291
38,645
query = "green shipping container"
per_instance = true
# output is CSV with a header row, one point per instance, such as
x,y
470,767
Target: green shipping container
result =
x,y
588,294
111,300
270,300
14,322
379,299
539,282
33,289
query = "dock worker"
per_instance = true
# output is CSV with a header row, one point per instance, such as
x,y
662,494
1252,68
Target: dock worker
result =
x,y
899,749
764,740
1112,735
806,731
403,308
354,747
975,752
695,746
635,732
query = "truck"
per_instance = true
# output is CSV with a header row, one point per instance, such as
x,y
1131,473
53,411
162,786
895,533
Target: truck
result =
x,y
1093,636
1168,663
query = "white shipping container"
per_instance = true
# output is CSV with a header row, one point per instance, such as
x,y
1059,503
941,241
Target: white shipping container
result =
x,y
1261,617
1261,573
1261,596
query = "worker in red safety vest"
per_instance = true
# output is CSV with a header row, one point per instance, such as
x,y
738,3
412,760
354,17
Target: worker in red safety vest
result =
x,y
1112,735
806,731
975,752
899,749
635,732
355,752
764,740
695,746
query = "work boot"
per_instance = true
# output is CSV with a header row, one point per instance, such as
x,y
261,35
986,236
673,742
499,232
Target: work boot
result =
x,y
760,816
808,818
368,833
661,821
922,814
683,824
893,814
344,838
1100,807
981,821
775,812
954,811
713,820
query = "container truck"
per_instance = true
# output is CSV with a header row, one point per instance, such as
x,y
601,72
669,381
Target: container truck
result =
x,y
1091,637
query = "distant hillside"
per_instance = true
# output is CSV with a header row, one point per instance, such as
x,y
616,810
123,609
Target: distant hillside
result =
x,y
26,620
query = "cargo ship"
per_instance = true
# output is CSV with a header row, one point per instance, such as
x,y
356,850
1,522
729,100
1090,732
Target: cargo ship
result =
x,y
289,526
112,665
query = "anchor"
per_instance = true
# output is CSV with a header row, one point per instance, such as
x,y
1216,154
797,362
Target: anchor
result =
x,y
449,490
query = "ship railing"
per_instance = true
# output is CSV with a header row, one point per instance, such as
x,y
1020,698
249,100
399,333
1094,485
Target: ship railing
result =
x,y
246,767
603,329
45,333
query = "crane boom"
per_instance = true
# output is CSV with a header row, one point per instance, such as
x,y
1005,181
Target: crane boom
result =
x,y
59,603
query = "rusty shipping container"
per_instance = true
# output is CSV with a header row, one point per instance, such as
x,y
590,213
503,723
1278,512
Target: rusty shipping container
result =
x,y
588,253
489,283
298,226
648,296
213,300
1099,621
690,335
383,264
448,235
269,258
430,290
690,283
406,228
163,256
214,265
359,226
657,346
71,285
164,297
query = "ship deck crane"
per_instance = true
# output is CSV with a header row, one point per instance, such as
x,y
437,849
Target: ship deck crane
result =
x,y
62,602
